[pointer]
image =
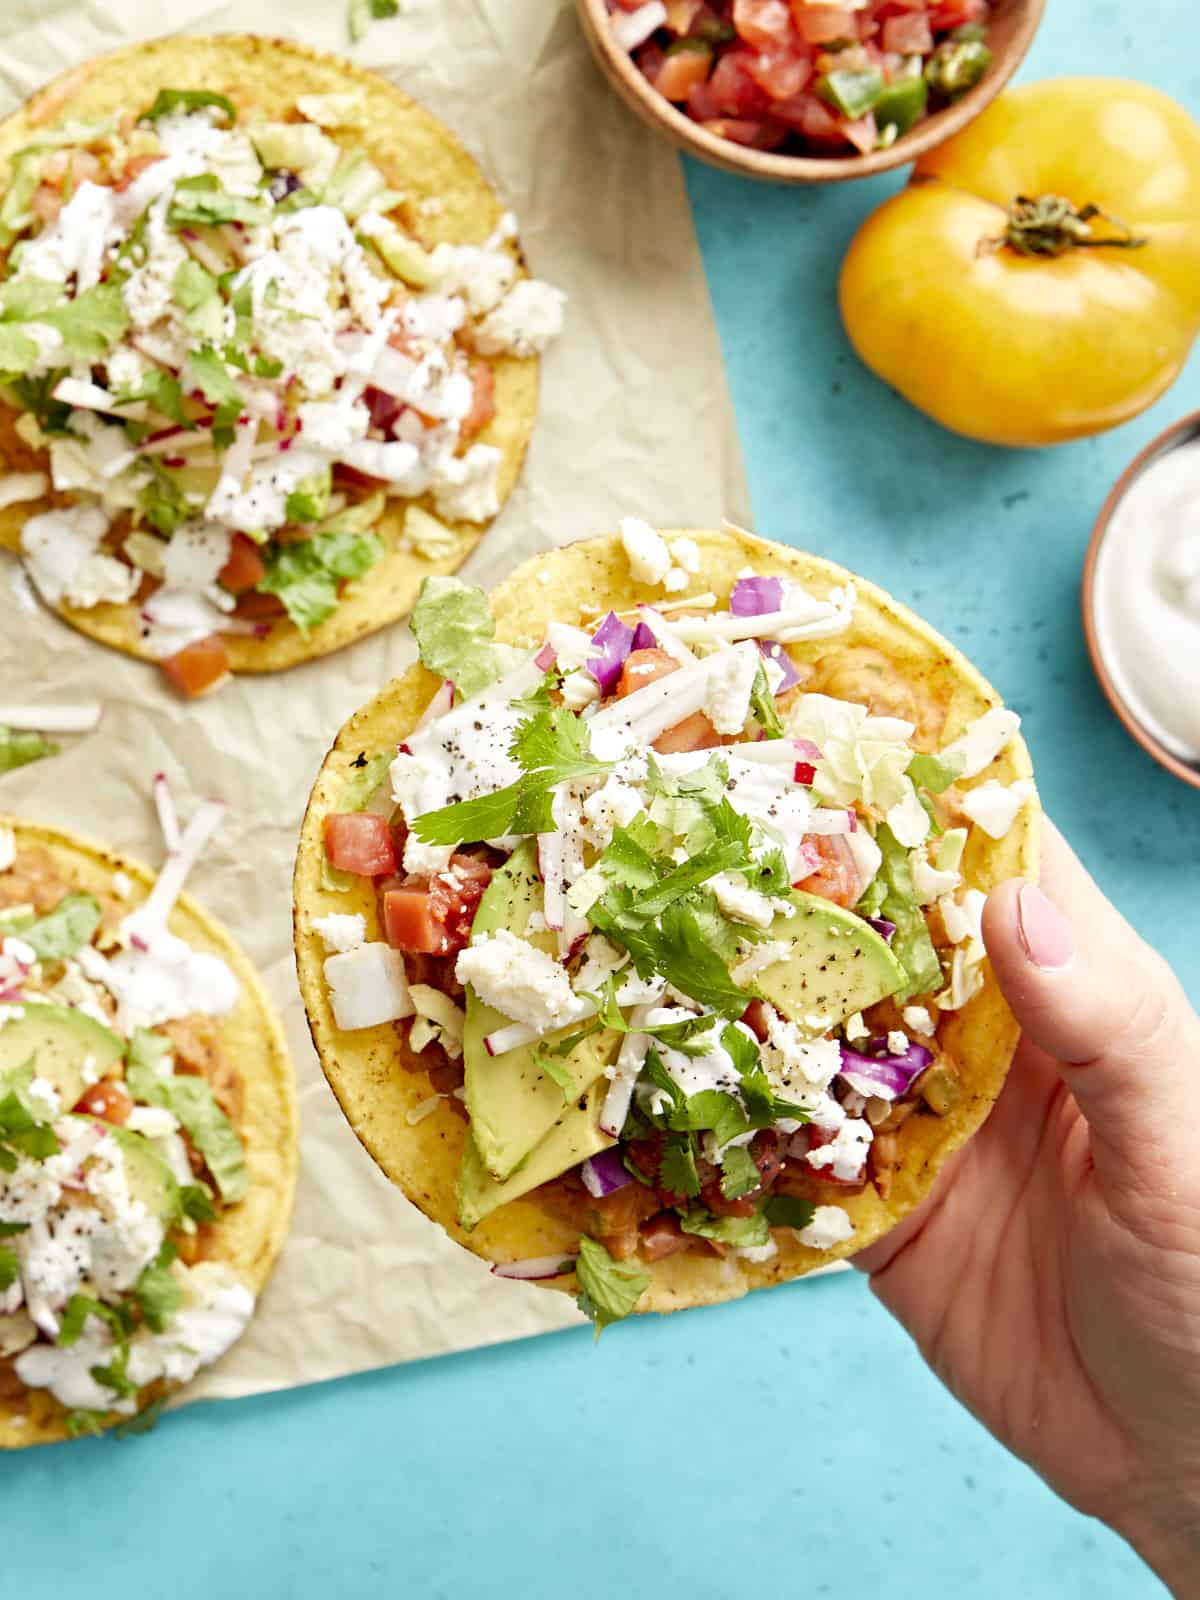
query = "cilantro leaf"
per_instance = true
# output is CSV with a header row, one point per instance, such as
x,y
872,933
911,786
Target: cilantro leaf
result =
x,y
63,932
91,323
158,1292
609,1289
115,1375
785,1211
678,949
79,1422
911,944
25,299
762,704
36,395
656,1073
10,1267
22,1130
10,1230
142,1421
195,1203
169,101
712,1109
739,1172
688,875
18,352
553,748
18,748
307,574
935,773
118,1319
677,1169
161,390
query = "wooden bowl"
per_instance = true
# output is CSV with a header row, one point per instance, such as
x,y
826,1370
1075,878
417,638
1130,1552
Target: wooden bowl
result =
x,y
1179,433
1010,33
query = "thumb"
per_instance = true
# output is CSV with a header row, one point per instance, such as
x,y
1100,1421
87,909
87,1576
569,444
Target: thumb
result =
x,y
1088,992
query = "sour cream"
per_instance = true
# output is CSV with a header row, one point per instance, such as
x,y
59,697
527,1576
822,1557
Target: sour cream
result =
x,y
1146,600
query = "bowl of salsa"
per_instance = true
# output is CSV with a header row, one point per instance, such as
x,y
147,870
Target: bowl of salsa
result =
x,y
801,91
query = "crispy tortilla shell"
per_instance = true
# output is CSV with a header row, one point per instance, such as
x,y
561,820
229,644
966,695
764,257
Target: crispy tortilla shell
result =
x,y
366,1069
248,1236
427,163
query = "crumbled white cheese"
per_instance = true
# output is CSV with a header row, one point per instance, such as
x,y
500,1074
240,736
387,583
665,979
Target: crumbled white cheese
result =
x,y
195,555
743,904
341,931
730,683
830,1225
528,318
63,559
466,488
918,1019
649,558
483,276
686,554
846,1153
520,981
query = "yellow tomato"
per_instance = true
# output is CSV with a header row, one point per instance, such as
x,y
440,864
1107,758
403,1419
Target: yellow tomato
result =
x,y
1030,324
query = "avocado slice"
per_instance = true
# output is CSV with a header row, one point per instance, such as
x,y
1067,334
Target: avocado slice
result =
x,y
575,1136
512,1102
150,1178
59,1041
837,966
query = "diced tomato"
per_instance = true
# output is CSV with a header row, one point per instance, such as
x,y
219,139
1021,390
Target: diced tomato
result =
x,y
627,5
662,1236
702,103
134,168
862,133
681,71
782,73
909,34
245,566
954,13
483,399
693,733
643,667
108,1099
823,24
198,667
710,1194
734,87
257,607
755,1018
359,842
836,878
810,118
764,24
767,1148
434,917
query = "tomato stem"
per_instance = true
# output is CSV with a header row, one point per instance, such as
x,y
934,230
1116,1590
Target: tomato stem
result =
x,y
1050,225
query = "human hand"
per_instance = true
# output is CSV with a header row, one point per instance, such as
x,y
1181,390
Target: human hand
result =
x,y
1052,1279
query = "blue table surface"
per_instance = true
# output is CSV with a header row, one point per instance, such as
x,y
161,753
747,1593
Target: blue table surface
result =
x,y
792,1443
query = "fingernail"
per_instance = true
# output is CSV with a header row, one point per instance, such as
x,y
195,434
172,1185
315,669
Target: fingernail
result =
x,y
1044,932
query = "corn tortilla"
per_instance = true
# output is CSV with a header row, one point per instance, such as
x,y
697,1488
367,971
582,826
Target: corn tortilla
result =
x,y
427,162
365,1068
248,1236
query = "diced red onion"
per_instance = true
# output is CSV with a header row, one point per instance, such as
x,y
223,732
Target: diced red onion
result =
x,y
180,861
661,634
643,637
392,372
168,816
882,926
807,749
751,597
885,1076
604,1173
384,408
534,1267
807,859
775,653
546,657
614,639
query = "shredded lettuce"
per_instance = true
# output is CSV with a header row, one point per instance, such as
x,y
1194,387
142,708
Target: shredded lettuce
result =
x,y
455,633
63,932
911,944
15,213
19,748
307,575
201,202
309,500
741,1233
190,1099
168,101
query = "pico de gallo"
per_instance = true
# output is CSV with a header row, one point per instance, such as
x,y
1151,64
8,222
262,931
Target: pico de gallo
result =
x,y
226,346
122,1120
804,76
669,916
